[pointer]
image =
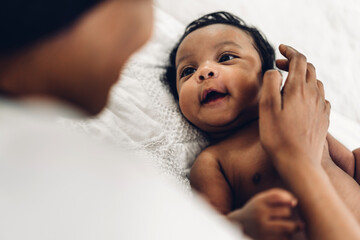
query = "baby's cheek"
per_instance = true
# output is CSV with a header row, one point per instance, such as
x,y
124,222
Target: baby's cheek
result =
x,y
250,92
184,106
187,108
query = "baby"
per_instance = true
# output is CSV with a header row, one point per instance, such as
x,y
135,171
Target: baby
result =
x,y
215,74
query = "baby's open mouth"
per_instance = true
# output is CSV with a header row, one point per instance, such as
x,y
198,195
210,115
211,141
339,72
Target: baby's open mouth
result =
x,y
212,96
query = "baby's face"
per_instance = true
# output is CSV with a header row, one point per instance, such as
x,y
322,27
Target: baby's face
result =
x,y
218,78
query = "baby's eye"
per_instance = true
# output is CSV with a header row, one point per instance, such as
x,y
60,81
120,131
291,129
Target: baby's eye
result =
x,y
226,57
187,71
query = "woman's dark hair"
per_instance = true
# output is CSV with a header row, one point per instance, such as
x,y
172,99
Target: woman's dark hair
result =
x,y
262,46
23,22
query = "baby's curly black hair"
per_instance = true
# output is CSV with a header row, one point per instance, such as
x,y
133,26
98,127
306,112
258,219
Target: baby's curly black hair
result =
x,y
263,47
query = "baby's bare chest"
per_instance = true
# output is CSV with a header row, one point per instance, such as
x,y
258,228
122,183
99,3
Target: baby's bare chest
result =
x,y
248,171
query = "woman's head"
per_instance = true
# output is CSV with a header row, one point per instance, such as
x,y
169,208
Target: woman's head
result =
x,y
25,22
70,50
264,49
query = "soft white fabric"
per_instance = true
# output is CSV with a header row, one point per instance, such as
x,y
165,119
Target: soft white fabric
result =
x,y
57,185
143,115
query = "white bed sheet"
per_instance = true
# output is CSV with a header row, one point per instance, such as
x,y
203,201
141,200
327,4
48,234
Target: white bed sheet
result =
x,y
143,115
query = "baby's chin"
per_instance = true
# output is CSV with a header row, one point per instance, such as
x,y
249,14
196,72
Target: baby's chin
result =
x,y
224,129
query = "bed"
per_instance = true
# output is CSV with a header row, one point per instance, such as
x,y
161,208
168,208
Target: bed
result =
x,y
143,116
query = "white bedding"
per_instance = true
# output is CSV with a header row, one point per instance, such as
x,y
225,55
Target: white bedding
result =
x,y
143,115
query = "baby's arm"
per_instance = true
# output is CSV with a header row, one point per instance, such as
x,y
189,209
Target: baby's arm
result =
x,y
356,153
207,178
345,159
268,215
265,216
336,156
341,156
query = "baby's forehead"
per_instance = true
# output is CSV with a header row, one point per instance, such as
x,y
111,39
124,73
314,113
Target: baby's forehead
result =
x,y
212,36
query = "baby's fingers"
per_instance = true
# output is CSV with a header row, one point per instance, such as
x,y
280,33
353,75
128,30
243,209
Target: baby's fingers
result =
x,y
280,212
279,197
285,227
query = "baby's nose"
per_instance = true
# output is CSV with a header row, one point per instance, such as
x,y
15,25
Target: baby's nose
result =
x,y
207,73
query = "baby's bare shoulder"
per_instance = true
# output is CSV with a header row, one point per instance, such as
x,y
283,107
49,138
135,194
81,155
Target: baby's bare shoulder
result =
x,y
207,157
208,162
207,178
216,150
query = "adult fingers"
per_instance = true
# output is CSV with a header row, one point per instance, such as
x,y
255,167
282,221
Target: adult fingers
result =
x,y
328,108
311,73
320,86
297,65
270,99
282,64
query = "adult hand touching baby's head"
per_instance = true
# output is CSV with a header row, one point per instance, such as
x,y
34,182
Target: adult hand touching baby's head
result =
x,y
294,122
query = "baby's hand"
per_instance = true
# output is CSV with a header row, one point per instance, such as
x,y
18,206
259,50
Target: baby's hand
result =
x,y
267,215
